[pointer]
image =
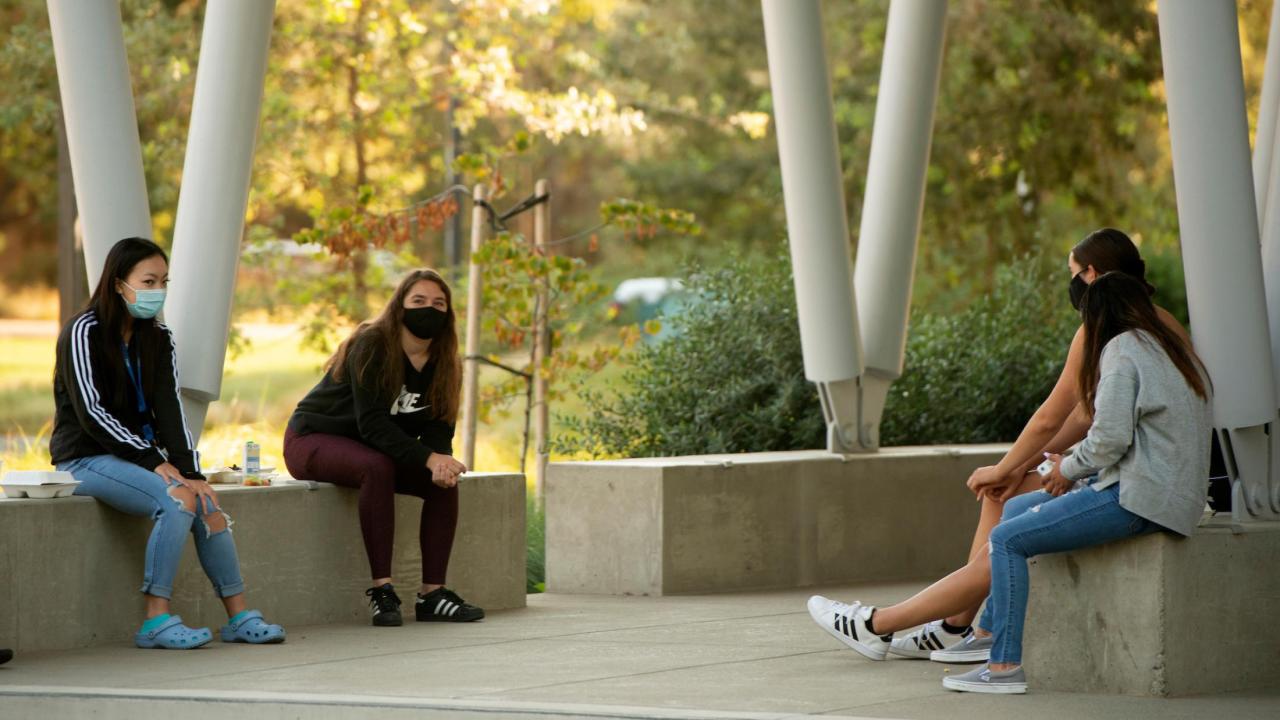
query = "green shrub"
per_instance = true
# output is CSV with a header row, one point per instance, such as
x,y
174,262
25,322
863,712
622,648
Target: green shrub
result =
x,y
535,543
978,375
1164,271
731,378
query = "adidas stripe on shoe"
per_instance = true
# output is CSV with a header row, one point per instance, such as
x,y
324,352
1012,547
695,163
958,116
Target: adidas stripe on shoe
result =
x,y
925,640
848,624
444,605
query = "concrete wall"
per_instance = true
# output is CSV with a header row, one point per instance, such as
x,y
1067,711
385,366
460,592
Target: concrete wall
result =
x,y
1158,615
764,520
70,568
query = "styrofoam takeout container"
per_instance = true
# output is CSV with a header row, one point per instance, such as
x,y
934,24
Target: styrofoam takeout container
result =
x,y
41,484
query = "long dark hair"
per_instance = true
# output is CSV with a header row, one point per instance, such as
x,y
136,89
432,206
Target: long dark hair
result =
x,y
1109,250
1118,302
375,344
109,307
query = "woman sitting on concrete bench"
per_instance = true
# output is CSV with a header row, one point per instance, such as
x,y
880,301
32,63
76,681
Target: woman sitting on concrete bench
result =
x,y
120,431
1143,466
382,420
947,607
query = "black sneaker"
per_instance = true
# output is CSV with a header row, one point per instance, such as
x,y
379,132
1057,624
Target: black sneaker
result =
x,y
444,605
5,655
385,605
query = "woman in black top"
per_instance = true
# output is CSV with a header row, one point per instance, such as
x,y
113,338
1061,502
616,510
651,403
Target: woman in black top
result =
x,y
120,431
381,420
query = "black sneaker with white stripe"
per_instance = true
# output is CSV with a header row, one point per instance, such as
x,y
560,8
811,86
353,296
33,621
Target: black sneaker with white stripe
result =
x,y
928,638
444,605
385,605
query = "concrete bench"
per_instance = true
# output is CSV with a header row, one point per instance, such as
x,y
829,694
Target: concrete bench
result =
x,y
764,520
1158,615
70,568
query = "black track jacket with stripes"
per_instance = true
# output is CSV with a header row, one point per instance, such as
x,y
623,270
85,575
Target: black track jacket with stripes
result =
x,y
88,421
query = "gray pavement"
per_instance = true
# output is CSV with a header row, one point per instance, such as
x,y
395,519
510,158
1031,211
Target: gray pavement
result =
x,y
749,656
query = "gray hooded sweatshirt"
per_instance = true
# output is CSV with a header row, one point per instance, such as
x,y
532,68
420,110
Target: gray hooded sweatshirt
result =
x,y
1150,434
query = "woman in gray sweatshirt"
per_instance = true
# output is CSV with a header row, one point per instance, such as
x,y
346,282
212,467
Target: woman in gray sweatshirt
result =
x,y
1142,467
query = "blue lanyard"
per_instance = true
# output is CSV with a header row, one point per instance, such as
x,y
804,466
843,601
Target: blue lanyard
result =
x,y
136,381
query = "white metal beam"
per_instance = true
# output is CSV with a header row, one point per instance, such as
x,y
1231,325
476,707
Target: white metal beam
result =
x,y
101,125
894,199
1217,214
215,192
813,194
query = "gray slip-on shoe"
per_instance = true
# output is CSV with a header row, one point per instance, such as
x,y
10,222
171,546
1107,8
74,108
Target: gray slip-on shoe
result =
x,y
972,649
985,680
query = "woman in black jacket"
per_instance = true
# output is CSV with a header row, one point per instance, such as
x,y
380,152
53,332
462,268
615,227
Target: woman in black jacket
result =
x,y
381,420
120,431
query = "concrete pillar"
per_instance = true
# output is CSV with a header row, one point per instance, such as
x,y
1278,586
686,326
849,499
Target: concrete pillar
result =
x,y
813,194
1217,213
1263,143
101,126
215,191
895,192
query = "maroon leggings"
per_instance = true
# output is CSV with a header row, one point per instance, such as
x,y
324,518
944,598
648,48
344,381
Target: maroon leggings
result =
x,y
350,463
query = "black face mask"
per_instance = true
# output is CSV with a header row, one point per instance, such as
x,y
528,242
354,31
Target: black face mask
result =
x,y
425,322
1076,290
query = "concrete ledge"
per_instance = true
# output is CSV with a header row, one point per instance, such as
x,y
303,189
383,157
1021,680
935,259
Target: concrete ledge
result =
x,y
1157,615
764,520
70,568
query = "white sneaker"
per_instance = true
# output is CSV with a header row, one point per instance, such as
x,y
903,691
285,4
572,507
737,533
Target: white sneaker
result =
x,y
925,640
848,624
972,649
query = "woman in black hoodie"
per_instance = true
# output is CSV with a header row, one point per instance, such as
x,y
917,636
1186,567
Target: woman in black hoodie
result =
x,y
381,420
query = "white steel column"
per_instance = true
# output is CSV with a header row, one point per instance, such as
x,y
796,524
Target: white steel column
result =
x,y
1266,173
816,222
102,126
1263,139
1217,212
895,193
215,191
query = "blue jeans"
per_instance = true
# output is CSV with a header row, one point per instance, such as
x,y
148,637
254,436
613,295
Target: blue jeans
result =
x,y
1036,524
135,490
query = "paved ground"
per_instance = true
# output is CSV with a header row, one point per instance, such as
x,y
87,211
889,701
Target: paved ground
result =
x,y
748,656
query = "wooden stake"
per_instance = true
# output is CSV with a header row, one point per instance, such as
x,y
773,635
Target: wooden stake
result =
x,y
470,366
542,345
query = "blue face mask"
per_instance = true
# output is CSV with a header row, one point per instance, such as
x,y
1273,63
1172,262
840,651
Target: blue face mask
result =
x,y
147,303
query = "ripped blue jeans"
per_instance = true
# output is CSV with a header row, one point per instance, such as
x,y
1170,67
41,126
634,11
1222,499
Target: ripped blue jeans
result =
x,y
135,490
1037,524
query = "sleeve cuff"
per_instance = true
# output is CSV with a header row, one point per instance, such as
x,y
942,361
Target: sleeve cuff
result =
x,y
152,460
1072,468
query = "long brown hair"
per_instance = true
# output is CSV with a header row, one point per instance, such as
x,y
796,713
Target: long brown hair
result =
x,y
1116,303
1109,249
375,346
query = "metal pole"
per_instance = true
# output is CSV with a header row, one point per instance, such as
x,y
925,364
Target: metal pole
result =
x,y
1263,145
101,126
541,345
471,368
215,191
1217,214
895,193
813,195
